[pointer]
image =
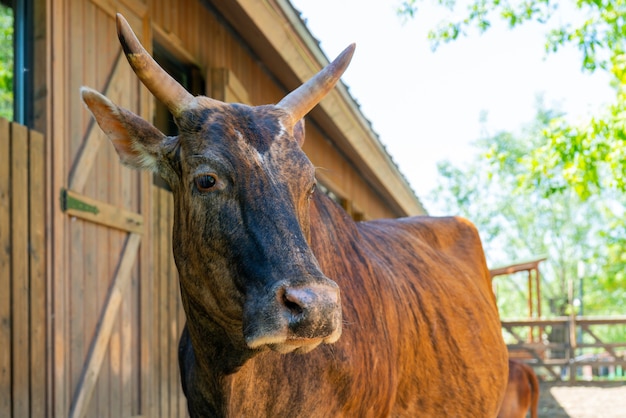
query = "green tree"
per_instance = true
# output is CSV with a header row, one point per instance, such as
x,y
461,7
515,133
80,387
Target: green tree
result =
x,y
521,223
6,62
585,157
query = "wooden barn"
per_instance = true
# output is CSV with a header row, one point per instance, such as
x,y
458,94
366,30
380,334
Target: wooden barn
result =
x,y
89,302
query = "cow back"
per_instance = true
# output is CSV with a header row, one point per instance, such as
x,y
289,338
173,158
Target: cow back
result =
x,y
419,313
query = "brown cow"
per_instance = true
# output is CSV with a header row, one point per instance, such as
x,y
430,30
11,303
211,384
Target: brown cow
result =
x,y
254,245
522,392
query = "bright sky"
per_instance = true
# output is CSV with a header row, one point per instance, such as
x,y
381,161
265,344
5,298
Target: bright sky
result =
x,y
426,106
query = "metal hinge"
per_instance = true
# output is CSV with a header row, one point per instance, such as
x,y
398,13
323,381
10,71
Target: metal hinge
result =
x,y
70,202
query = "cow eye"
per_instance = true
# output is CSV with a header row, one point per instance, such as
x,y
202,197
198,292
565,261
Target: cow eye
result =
x,y
312,190
205,182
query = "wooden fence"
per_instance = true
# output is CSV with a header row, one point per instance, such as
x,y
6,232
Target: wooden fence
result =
x,y
576,351
23,300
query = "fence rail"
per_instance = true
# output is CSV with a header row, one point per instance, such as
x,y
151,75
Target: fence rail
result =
x,y
570,348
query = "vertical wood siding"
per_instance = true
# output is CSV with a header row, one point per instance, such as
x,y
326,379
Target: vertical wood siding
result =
x,y
70,350
169,318
23,361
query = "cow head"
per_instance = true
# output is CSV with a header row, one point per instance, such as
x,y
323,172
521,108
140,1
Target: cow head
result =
x,y
241,186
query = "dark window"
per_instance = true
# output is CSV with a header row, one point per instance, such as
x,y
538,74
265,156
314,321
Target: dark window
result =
x,y
22,60
16,57
189,77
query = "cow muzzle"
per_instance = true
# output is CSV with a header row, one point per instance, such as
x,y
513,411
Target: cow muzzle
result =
x,y
294,318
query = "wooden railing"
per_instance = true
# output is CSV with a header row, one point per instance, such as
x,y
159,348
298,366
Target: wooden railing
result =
x,y
580,355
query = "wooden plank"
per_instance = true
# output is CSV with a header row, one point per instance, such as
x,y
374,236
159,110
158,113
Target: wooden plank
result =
x,y
105,270
110,67
57,111
97,63
79,120
145,312
5,269
105,327
149,206
182,319
77,249
93,139
111,7
607,347
163,305
173,297
92,240
173,44
37,214
128,181
146,309
102,213
109,374
156,298
227,87
19,271
559,320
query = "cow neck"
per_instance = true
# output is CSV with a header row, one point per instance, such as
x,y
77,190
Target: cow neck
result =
x,y
218,348
206,388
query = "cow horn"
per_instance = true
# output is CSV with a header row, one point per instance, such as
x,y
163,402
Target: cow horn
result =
x,y
300,101
155,78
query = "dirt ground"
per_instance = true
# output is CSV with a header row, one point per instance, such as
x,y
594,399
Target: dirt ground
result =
x,y
606,400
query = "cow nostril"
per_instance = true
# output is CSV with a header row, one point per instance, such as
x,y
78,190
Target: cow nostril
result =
x,y
292,303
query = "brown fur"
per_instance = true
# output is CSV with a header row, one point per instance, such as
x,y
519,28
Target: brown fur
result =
x,y
256,251
421,332
522,392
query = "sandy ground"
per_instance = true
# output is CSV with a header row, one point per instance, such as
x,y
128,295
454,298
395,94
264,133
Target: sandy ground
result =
x,y
606,400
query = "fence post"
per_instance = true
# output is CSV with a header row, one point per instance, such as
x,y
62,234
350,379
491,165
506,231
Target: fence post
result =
x,y
572,347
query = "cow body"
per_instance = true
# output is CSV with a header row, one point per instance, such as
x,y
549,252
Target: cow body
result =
x,y
522,392
294,310
420,334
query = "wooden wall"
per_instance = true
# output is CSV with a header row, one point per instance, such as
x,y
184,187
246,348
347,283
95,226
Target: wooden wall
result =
x,y
199,35
168,316
100,265
23,308
93,314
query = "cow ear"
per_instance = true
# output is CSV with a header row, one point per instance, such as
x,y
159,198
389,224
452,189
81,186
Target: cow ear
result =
x,y
298,132
136,141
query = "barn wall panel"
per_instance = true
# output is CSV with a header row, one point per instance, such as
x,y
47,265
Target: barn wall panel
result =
x,y
93,250
23,358
139,371
169,313
6,365
213,46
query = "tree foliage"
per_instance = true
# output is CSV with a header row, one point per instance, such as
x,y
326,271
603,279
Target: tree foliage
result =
x,y
6,62
585,157
519,223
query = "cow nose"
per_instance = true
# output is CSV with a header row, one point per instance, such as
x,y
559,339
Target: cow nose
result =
x,y
313,309
297,301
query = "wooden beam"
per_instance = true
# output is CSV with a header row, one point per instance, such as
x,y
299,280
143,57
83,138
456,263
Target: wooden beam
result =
x,y
225,86
37,260
5,270
89,375
102,213
514,268
20,271
173,44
